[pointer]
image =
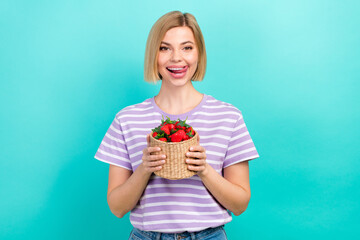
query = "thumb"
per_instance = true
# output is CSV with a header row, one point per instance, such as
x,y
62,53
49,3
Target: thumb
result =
x,y
148,139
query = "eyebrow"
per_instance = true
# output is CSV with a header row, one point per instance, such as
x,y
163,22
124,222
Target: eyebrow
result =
x,y
180,44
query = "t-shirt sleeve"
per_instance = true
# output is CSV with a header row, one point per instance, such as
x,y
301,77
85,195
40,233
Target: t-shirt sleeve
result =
x,y
241,147
113,148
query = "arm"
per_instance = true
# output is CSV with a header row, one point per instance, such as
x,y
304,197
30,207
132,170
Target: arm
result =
x,y
126,188
232,190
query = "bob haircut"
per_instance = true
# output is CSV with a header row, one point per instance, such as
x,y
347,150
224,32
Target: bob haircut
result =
x,y
157,33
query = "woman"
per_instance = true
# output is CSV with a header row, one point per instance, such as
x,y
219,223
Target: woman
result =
x,y
193,208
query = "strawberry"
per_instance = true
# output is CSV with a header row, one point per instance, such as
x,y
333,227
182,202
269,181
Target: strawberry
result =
x,y
166,129
163,139
154,134
186,137
178,136
171,126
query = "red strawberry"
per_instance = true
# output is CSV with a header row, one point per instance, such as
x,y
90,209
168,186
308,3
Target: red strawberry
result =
x,y
154,134
186,137
166,129
178,136
171,126
162,139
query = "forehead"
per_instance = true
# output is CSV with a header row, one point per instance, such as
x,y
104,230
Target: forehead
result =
x,y
179,35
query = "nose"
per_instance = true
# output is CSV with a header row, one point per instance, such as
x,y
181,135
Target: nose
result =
x,y
176,56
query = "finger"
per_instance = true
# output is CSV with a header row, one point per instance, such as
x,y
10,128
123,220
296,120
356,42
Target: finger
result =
x,y
153,150
156,163
196,162
196,168
196,154
156,157
197,148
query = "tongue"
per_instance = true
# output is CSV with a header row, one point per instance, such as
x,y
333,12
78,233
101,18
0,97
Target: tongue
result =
x,y
177,71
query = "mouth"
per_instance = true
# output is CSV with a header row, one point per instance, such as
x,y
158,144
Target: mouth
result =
x,y
177,72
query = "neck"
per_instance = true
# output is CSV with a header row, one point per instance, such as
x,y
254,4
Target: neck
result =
x,y
178,99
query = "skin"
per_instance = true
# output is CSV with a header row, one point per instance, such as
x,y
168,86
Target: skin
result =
x,y
178,96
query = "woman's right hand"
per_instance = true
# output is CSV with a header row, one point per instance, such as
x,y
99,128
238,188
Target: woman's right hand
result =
x,y
152,162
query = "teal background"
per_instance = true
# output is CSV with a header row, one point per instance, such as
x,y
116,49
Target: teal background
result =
x,y
291,67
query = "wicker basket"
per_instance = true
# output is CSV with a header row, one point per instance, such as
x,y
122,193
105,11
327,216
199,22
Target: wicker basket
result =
x,y
175,166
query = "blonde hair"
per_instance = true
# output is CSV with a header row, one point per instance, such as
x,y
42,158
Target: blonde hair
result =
x,y
157,33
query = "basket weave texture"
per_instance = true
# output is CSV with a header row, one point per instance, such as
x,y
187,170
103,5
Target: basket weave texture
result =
x,y
175,167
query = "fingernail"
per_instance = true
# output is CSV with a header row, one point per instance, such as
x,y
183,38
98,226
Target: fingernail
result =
x,y
191,148
163,156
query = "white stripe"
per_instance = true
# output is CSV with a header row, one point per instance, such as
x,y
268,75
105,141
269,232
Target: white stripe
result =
x,y
219,106
175,186
136,136
141,122
100,159
137,145
146,205
177,212
180,221
238,127
135,164
238,136
136,154
137,129
108,135
137,109
213,162
215,128
214,144
240,144
210,121
139,116
213,100
113,147
114,156
115,130
217,113
214,153
216,136
241,152
174,195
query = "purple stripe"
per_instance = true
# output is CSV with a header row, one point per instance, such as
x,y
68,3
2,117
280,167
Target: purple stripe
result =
x,y
177,216
241,148
175,190
178,208
178,199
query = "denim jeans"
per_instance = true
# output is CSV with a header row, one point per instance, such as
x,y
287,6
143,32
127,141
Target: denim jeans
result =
x,y
217,233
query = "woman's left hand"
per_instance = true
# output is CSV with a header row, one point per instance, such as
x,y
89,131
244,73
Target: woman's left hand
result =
x,y
196,159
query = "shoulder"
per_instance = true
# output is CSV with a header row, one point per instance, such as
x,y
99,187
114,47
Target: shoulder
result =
x,y
213,104
135,109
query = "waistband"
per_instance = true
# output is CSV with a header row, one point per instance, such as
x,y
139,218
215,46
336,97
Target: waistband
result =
x,y
191,235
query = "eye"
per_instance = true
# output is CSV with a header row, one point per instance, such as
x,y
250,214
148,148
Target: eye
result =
x,y
188,48
163,48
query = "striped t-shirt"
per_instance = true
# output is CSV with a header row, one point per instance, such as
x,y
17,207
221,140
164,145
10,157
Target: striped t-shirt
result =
x,y
173,206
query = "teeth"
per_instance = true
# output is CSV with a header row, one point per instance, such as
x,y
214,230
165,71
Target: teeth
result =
x,y
174,69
